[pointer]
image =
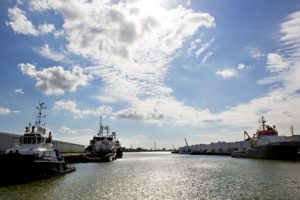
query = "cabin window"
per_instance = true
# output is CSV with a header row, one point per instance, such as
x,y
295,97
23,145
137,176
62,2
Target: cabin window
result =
x,y
39,140
25,140
33,140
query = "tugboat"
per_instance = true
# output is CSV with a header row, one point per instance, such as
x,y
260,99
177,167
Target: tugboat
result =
x,y
266,144
34,157
103,147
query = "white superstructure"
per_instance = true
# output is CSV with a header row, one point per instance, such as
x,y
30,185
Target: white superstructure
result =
x,y
35,141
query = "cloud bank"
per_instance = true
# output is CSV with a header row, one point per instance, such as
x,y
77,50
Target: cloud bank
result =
x,y
130,48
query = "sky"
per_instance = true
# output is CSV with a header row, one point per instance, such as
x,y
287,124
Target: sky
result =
x,y
156,71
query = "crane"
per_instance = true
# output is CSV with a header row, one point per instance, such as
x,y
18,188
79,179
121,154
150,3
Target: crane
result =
x,y
252,142
187,144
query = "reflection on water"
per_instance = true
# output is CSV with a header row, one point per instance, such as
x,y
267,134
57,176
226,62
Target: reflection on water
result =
x,y
167,176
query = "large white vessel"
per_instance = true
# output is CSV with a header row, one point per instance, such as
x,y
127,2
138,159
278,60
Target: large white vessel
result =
x,y
34,157
104,146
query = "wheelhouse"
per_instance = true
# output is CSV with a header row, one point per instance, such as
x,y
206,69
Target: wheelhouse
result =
x,y
32,139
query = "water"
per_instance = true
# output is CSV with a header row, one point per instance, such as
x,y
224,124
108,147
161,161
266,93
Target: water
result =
x,y
167,176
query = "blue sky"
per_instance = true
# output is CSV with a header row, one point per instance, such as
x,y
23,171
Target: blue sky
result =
x,y
159,70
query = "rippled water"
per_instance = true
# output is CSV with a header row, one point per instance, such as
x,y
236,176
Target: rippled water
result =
x,y
168,176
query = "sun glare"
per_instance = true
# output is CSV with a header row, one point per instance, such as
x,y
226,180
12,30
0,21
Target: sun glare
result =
x,y
153,7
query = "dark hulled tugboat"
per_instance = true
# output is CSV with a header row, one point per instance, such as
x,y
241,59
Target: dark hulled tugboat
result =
x,y
266,144
34,157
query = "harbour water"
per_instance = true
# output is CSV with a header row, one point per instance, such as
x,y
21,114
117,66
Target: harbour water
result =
x,y
161,175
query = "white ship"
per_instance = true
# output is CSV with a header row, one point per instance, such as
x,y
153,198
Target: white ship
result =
x,y
104,146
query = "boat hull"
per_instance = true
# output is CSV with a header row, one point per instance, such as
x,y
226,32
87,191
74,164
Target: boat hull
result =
x,y
119,153
16,168
100,156
278,151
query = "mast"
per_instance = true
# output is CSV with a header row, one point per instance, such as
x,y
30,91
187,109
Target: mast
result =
x,y
263,121
100,133
107,129
39,115
102,128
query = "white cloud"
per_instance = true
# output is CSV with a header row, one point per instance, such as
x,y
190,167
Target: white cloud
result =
x,y
165,111
46,28
291,30
285,68
6,111
276,63
140,137
39,5
148,46
206,57
279,104
71,107
278,67
203,48
22,25
66,130
194,45
75,132
255,52
227,73
55,80
131,46
241,66
19,91
48,53
188,3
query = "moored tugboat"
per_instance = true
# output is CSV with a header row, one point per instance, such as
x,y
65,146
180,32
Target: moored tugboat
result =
x,y
266,144
34,157
103,147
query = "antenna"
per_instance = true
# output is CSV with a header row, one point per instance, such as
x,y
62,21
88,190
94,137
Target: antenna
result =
x,y
262,123
39,115
107,129
100,127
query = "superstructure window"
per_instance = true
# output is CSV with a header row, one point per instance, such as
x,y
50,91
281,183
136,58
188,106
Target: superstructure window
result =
x,y
39,140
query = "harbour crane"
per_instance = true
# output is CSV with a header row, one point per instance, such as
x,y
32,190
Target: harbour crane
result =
x,y
252,142
187,145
